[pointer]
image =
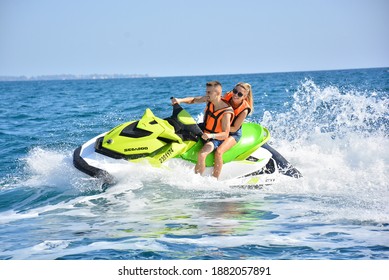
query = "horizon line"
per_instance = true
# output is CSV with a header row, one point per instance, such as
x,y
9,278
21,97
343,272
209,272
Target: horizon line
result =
x,y
96,76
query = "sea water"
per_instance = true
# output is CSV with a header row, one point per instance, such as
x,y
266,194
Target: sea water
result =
x,y
333,126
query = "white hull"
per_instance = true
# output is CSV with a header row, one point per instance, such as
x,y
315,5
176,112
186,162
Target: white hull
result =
x,y
235,173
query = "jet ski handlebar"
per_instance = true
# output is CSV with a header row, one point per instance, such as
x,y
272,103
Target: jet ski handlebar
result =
x,y
176,109
192,128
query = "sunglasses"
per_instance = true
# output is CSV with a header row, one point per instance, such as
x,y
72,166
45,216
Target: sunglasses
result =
x,y
235,91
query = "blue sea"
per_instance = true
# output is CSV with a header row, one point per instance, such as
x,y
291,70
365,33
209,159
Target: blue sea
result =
x,y
333,126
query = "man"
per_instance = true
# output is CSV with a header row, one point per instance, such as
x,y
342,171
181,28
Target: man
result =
x,y
217,121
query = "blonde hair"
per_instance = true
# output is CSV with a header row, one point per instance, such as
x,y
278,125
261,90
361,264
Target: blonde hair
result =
x,y
249,98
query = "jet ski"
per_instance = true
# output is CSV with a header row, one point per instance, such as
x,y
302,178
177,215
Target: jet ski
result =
x,y
175,142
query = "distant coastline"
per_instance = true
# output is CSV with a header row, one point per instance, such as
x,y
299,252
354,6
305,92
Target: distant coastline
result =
x,y
65,77
72,77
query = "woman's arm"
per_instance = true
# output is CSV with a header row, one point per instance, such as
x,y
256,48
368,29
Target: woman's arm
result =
x,y
238,121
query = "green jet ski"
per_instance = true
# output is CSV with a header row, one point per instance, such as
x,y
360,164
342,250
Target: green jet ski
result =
x,y
175,141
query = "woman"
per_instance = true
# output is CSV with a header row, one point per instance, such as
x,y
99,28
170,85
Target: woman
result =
x,y
241,100
217,120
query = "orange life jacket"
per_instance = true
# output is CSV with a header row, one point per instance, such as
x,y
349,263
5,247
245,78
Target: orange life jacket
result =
x,y
213,119
242,107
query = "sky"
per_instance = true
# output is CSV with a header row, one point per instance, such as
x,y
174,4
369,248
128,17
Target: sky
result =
x,y
186,38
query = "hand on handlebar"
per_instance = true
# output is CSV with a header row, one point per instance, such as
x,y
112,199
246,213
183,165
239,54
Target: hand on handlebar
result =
x,y
174,100
206,136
